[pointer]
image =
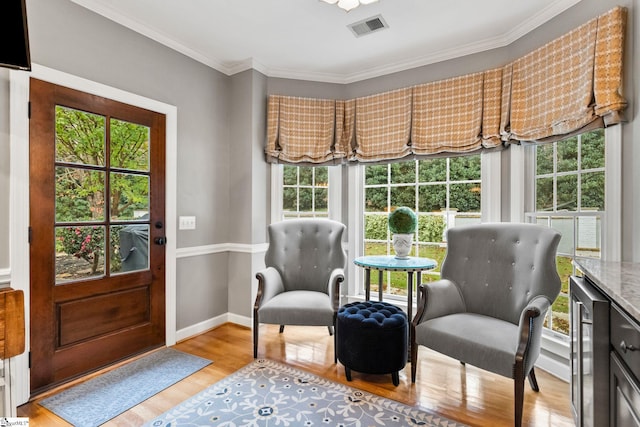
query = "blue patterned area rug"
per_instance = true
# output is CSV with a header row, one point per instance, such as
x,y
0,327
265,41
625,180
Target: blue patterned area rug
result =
x,y
106,396
267,393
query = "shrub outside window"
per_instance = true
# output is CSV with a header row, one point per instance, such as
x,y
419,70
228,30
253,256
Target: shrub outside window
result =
x,y
444,192
305,192
569,197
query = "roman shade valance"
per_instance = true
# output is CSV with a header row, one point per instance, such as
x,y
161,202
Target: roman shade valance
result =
x,y
458,115
383,126
570,85
305,130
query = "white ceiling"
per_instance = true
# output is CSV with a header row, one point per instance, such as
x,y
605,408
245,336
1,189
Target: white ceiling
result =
x,y
309,39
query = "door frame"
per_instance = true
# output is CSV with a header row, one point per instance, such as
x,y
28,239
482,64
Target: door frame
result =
x,y
19,196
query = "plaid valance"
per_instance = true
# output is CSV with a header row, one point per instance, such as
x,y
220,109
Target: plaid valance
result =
x,y
458,115
383,126
571,84
305,130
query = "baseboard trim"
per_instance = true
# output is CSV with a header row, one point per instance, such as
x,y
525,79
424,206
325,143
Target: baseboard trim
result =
x,y
5,276
204,326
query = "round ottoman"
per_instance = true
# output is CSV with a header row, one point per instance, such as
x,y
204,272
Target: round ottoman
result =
x,y
371,337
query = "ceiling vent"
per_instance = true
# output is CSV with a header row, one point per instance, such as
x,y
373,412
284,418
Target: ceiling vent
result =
x,y
368,26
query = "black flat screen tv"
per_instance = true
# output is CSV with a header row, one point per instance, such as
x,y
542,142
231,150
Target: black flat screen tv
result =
x,y
14,45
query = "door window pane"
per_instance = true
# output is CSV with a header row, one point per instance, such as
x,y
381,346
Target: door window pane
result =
x,y
79,253
130,244
129,196
129,145
79,194
80,137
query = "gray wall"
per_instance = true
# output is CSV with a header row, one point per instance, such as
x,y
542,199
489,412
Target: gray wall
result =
x,y
69,38
221,128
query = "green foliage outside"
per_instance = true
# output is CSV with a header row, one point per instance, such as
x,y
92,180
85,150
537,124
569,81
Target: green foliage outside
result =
x,y
81,181
430,176
585,153
305,189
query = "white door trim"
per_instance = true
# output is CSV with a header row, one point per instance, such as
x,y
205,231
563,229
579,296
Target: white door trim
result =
x,y
19,194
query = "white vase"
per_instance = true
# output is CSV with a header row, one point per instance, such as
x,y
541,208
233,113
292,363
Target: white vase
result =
x,y
402,245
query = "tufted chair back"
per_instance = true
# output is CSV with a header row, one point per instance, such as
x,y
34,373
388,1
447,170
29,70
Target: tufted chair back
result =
x,y
305,252
501,267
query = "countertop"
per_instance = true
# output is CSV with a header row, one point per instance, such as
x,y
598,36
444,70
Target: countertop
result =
x,y
619,280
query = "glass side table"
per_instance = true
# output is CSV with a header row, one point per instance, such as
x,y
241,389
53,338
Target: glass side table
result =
x,y
383,263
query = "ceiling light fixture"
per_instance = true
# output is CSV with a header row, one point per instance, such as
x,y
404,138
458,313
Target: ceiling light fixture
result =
x,y
348,5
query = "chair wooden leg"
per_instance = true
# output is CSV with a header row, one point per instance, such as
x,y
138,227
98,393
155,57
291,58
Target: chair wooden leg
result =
x,y
255,335
518,400
414,360
281,328
347,373
533,382
330,330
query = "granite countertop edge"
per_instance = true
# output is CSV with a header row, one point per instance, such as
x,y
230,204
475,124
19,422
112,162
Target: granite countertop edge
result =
x,y
620,281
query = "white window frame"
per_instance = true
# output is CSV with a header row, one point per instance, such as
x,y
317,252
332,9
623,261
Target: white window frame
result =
x,y
334,202
491,206
554,357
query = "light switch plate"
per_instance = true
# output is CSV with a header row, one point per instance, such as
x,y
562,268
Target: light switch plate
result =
x,y
187,223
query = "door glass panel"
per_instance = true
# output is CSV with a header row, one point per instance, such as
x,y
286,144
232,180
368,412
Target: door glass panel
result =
x,y
79,253
130,244
79,194
80,137
129,196
129,145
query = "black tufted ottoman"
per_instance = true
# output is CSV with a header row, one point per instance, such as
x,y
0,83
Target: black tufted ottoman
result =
x,y
371,337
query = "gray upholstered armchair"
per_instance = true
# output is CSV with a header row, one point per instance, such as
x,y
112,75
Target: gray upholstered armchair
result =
x,y
301,282
497,281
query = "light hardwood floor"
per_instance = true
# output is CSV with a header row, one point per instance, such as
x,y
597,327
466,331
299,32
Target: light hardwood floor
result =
x,y
462,393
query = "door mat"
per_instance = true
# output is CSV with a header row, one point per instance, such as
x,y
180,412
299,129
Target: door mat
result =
x,y
104,397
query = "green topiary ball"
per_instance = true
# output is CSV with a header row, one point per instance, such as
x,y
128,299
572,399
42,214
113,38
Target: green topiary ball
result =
x,y
403,221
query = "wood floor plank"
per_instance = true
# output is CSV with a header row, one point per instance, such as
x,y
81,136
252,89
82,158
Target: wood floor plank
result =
x,y
463,393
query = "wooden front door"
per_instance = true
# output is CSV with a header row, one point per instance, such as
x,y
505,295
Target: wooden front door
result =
x,y
97,251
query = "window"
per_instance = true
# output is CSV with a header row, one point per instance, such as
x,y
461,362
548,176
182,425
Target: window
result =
x,y
570,197
305,191
443,192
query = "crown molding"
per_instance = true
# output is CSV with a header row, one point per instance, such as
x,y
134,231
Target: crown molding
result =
x,y
503,40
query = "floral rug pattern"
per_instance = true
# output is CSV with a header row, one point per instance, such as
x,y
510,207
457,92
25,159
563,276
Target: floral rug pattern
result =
x,y
267,393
